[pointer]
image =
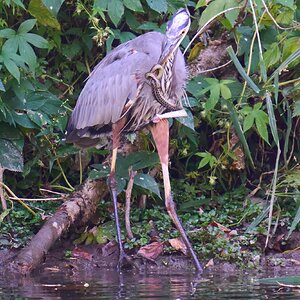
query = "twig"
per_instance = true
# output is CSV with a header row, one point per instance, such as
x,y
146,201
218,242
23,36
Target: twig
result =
x,y
276,24
127,205
16,197
37,199
3,200
207,23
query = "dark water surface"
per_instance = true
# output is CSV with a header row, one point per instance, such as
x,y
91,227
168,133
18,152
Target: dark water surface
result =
x,y
109,284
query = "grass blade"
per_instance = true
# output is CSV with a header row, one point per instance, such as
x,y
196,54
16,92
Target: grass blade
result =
x,y
272,119
241,70
288,132
291,58
239,130
295,221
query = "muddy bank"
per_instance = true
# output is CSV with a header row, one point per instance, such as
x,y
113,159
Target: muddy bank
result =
x,y
73,260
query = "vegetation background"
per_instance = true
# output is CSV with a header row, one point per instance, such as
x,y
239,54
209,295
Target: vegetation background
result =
x,y
235,159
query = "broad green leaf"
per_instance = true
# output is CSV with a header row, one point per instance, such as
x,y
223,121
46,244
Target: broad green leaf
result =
x,y
225,91
19,3
100,171
26,26
231,16
261,126
295,55
272,55
248,122
134,5
147,182
296,111
27,53
115,11
187,121
101,4
217,6
149,26
7,33
214,93
11,155
12,67
36,40
160,6
288,3
53,5
39,10
286,17
200,3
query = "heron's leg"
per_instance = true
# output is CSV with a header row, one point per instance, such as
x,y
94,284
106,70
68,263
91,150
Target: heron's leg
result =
x,y
113,188
123,257
160,133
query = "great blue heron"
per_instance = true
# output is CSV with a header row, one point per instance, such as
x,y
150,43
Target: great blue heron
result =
x,y
139,83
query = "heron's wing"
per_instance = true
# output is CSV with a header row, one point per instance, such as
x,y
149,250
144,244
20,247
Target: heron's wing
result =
x,y
114,82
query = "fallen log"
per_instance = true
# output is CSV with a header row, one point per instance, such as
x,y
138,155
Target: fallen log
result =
x,y
77,210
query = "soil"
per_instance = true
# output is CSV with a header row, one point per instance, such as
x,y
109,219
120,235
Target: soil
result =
x,y
94,258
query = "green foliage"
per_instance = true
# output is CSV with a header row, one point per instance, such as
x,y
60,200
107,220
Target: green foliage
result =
x,y
47,49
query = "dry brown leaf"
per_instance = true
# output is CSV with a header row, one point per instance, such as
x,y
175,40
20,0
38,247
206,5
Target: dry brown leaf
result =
x,y
151,251
109,248
178,245
78,252
239,163
220,226
210,263
233,232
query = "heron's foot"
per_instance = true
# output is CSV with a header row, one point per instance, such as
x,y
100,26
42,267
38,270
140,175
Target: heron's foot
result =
x,y
126,261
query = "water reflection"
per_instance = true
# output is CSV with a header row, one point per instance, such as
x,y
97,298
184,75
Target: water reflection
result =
x,y
108,284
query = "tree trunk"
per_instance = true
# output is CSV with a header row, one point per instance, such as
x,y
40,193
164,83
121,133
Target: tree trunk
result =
x,y
77,210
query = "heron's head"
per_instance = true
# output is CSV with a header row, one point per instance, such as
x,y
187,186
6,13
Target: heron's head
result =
x,y
177,29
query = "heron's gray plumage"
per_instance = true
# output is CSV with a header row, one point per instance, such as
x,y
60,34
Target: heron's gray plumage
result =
x,y
119,80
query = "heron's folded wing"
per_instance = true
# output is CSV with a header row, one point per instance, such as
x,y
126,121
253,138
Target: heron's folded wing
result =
x,y
108,88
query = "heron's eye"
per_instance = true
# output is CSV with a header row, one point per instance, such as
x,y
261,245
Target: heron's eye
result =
x,y
183,32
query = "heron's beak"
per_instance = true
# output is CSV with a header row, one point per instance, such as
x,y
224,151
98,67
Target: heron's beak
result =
x,y
168,50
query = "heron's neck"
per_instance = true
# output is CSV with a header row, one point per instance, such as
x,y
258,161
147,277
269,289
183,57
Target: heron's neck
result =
x,y
167,77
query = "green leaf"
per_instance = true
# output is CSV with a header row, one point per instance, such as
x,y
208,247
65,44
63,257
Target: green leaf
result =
x,y
147,182
261,125
225,91
26,26
115,11
288,3
36,40
134,5
187,121
216,7
248,122
40,11
7,33
296,111
272,55
214,93
53,5
12,67
295,222
100,4
161,6
239,131
27,53
11,155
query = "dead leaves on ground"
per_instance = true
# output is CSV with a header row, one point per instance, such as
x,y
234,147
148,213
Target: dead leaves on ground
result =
x,y
151,251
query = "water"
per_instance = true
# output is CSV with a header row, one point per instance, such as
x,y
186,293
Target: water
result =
x,y
109,284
